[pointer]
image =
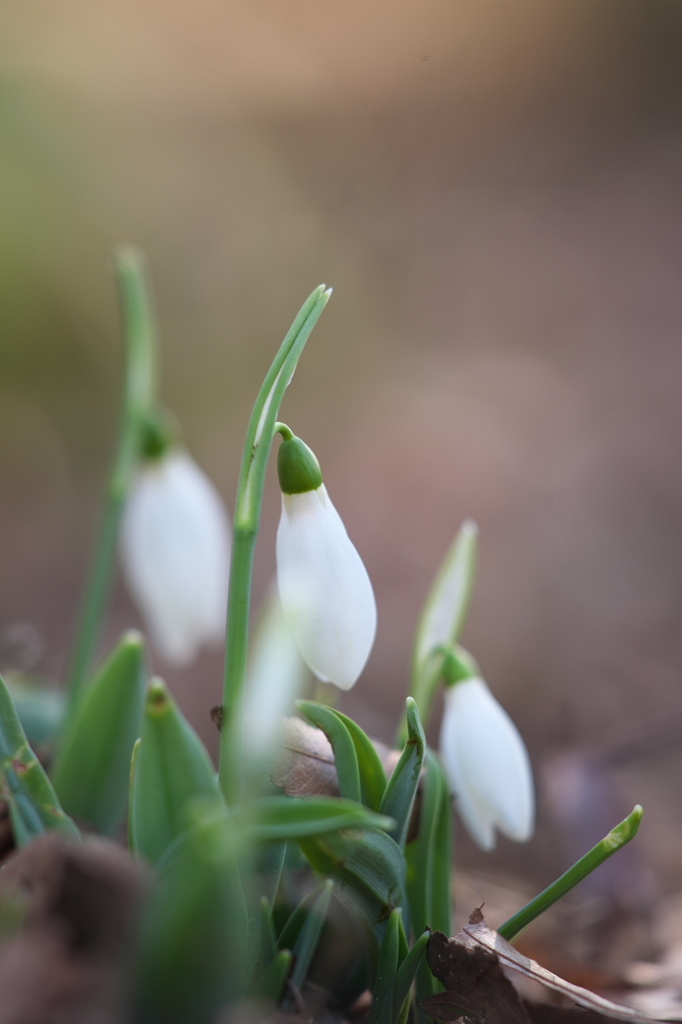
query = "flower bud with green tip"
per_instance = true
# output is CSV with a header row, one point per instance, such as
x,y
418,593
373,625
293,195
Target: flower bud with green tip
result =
x,y
175,550
485,760
324,587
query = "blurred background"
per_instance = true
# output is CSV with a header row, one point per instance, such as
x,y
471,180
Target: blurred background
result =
x,y
493,190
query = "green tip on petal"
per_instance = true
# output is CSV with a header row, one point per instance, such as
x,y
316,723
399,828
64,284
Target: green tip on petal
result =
x,y
458,665
159,432
297,467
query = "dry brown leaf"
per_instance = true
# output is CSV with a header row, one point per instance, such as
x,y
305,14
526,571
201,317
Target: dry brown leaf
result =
x,y
476,988
304,765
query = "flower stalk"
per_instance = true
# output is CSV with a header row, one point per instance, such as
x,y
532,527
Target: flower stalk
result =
x,y
138,398
246,520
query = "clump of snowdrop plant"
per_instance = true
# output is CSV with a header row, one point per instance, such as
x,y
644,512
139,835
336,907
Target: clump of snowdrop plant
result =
x,y
224,924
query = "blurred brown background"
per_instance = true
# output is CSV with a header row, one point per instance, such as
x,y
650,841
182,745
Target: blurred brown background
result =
x,y
493,190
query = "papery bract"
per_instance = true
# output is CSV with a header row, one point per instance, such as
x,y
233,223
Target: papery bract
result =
x,y
175,554
324,587
486,763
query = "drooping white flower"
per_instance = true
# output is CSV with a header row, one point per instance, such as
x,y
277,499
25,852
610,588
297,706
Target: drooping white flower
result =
x,y
175,555
486,764
325,591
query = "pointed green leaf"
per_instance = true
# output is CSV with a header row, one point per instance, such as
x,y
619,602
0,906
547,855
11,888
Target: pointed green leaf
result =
x,y
39,705
370,768
408,969
276,818
382,1010
194,952
345,757
288,936
33,804
309,935
132,843
402,786
428,856
372,774
171,768
271,982
610,844
268,938
368,865
91,774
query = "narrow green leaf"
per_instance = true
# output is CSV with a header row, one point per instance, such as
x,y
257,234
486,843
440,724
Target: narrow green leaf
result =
x,y
139,387
441,899
309,935
276,818
372,774
610,844
268,938
271,982
194,954
171,768
257,447
288,936
132,842
402,786
369,867
271,861
428,856
33,804
428,866
382,1008
345,756
39,705
91,774
408,969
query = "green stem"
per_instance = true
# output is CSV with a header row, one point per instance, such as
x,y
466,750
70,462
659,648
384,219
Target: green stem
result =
x,y
257,447
612,842
138,395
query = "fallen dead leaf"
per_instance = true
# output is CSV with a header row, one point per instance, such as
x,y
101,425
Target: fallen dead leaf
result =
x,y
470,967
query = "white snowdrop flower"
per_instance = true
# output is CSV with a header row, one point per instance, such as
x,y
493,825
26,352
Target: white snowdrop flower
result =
x,y
325,591
486,763
175,555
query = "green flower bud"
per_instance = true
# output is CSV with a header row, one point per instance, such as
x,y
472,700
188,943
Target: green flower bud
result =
x,y
297,467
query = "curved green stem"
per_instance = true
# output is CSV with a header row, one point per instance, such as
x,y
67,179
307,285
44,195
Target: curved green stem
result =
x,y
138,396
246,520
617,837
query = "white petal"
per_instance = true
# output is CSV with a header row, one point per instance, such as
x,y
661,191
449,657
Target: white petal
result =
x,y
325,590
487,764
175,553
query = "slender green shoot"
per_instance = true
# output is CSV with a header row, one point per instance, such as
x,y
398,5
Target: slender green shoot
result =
x,y
617,838
138,396
246,519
